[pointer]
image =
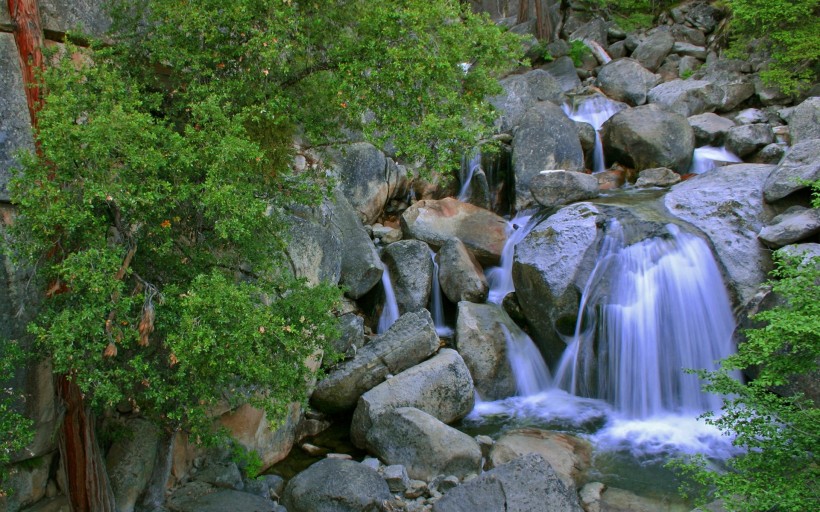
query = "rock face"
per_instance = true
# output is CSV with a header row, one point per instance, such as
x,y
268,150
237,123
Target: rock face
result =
x,y
687,97
460,275
556,188
130,462
804,122
361,267
648,136
710,129
546,139
441,386
800,164
547,267
792,226
411,272
437,221
87,16
746,139
526,484
333,485
315,247
409,341
424,445
522,92
482,343
651,52
727,205
627,80
15,123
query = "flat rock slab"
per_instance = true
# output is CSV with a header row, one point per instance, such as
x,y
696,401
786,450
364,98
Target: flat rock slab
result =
x,y
201,497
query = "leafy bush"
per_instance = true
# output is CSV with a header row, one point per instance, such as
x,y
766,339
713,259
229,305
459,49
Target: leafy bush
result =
x,y
578,51
15,429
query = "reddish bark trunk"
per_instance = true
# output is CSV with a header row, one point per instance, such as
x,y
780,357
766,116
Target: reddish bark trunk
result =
x,y
28,34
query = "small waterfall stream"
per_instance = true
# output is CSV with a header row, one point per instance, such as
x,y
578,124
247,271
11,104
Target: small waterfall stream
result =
x,y
469,165
500,278
594,110
437,303
707,158
390,311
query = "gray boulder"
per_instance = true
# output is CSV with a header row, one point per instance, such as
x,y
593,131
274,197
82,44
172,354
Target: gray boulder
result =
x,y
658,177
224,475
481,341
794,225
627,80
648,136
460,275
526,484
804,122
130,462
424,445
563,70
800,165
770,154
594,30
687,97
441,386
654,49
684,34
710,129
15,123
410,340
745,140
545,139
727,205
704,16
333,485
411,272
689,50
556,188
522,92
315,245
361,266
87,16
436,221
750,116
201,497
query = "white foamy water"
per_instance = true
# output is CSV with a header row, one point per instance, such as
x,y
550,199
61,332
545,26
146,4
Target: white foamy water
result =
x,y
528,367
500,278
390,311
594,110
468,168
437,303
707,158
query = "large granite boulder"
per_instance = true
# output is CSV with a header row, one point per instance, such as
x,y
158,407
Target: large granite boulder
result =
x,y
799,166
411,273
649,136
15,123
423,444
315,245
409,341
727,205
654,49
130,462
441,386
522,92
804,121
82,16
687,97
627,80
556,188
526,484
436,221
546,139
333,485
249,426
710,129
794,225
746,139
361,266
563,70
460,276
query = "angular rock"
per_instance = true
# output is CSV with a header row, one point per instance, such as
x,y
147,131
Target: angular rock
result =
x,y
745,140
351,327
315,245
545,139
250,427
805,251
556,188
28,483
130,462
594,30
522,92
804,122
436,221
411,272
481,341
526,484
361,266
616,500
658,177
770,154
726,75
704,16
800,165
687,97
15,123
409,341
396,477
226,476
87,16
727,205
563,70
618,50
651,52
750,116
424,445
688,65
794,225
648,136
710,129
333,485
441,386
460,276
627,80
684,34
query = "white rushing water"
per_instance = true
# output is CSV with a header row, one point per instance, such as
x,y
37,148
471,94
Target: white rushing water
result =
x,y
500,278
390,311
594,110
707,158
469,165
437,303
528,367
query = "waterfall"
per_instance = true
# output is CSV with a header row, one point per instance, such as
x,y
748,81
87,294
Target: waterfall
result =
x,y
707,158
594,110
528,367
390,311
437,303
468,168
656,307
500,278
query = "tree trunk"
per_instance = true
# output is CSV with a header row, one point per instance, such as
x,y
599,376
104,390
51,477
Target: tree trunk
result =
x,y
523,11
28,34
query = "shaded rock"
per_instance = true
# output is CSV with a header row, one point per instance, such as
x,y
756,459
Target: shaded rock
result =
x,y
361,266
56,504
351,327
684,34
545,139
658,177
654,49
627,80
805,251
727,205
736,86
745,140
411,272
333,485
526,484
424,445
687,97
84,16
15,123
569,456
460,275
522,92
804,122
688,65
481,341
704,16
130,462
770,154
250,427
226,476
563,71
436,221
710,129
441,386
594,30
620,500
556,188
750,116
794,225
28,481
396,477
617,50
769,94
689,49
648,136
801,164
410,340
201,497
315,245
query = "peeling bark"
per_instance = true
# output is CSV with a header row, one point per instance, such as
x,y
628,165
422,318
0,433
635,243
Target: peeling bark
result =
x,y
28,35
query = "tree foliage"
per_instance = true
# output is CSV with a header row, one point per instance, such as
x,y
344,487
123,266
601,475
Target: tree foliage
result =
x,y
15,429
157,207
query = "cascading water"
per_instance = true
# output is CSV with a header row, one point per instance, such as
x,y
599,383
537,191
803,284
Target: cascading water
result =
x,y
390,311
531,373
469,165
500,278
437,303
594,110
707,158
